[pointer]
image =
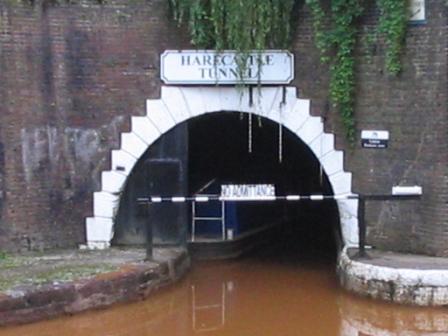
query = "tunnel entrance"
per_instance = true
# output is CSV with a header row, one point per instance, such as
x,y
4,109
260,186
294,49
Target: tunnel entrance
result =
x,y
203,153
179,104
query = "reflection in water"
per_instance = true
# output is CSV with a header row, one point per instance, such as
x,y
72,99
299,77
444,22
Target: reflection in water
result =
x,y
359,318
252,297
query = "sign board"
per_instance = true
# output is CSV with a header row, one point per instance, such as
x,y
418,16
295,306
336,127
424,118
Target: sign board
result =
x,y
417,11
374,139
247,190
204,67
407,190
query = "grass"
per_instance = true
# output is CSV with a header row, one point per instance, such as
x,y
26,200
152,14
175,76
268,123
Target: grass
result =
x,y
70,273
3,255
9,262
62,273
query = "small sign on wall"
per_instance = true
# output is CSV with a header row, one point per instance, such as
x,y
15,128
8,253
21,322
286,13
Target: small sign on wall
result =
x,y
417,11
374,139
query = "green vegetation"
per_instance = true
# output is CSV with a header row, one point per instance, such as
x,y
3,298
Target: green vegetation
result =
x,y
69,273
247,26
218,24
337,47
15,273
392,24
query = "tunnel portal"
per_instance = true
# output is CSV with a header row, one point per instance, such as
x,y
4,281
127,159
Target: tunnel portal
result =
x,y
202,154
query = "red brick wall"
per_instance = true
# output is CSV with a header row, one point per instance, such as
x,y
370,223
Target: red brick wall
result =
x,y
413,107
70,77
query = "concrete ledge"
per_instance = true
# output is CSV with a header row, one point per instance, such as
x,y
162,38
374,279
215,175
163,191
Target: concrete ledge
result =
x,y
131,282
393,278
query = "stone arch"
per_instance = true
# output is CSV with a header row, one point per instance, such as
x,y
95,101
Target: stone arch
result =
x,y
178,104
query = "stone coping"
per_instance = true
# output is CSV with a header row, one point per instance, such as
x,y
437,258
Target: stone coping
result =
x,y
394,277
132,280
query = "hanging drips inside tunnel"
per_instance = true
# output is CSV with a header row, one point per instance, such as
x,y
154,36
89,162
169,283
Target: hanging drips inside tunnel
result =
x,y
201,155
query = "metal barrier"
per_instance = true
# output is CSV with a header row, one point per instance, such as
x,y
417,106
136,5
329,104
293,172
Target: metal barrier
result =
x,y
398,193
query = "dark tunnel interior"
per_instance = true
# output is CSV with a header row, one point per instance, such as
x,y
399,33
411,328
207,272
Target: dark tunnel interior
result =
x,y
214,150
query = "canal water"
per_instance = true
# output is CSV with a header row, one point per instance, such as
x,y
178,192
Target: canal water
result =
x,y
266,293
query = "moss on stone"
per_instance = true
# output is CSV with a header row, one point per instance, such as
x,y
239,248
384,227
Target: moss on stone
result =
x,y
14,271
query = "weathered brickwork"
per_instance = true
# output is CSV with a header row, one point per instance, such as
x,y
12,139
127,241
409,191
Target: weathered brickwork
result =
x,y
70,77
413,107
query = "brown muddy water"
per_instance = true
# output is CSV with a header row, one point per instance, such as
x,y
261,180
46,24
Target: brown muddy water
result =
x,y
253,296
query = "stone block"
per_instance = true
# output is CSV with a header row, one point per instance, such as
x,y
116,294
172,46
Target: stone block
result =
x,y
145,129
133,144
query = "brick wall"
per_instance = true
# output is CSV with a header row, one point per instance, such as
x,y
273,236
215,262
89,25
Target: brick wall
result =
x,y
413,107
70,77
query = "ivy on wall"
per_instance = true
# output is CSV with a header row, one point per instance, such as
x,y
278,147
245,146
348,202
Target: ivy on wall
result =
x,y
223,24
255,25
239,25
392,24
337,46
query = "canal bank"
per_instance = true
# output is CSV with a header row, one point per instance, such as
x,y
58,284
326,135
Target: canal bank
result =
x,y
262,293
397,277
41,286
38,287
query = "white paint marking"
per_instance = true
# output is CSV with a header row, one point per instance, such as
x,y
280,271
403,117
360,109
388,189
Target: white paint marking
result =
x,y
317,197
201,199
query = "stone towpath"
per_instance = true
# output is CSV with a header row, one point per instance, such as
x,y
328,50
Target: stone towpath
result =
x,y
398,277
401,260
37,286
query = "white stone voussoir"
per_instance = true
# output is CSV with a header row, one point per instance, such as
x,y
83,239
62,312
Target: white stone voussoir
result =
x,y
312,128
105,204
122,161
175,103
133,144
322,145
194,97
159,115
333,162
295,117
145,129
112,181
178,104
99,231
341,183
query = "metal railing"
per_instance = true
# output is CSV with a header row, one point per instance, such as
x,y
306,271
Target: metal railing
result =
x,y
398,193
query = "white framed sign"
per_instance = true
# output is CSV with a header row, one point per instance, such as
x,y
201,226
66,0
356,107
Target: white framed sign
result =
x,y
417,11
374,139
198,67
247,190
